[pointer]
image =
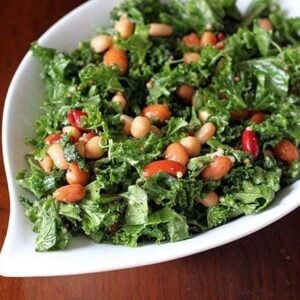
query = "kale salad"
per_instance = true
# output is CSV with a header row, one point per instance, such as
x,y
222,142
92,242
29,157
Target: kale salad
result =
x,y
173,120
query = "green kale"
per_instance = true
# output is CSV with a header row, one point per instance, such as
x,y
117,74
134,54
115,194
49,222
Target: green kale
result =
x,y
52,234
37,181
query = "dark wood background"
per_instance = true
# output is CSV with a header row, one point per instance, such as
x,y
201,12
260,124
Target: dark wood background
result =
x,y
265,265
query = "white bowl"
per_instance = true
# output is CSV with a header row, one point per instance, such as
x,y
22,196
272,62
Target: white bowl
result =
x,y
24,97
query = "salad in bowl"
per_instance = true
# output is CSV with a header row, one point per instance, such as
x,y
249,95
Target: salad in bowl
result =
x,y
177,118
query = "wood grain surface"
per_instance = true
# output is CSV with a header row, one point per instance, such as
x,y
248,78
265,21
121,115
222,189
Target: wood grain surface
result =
x,y
265,265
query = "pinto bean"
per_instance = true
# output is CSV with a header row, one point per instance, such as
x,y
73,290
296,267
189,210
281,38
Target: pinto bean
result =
x,y
46,163
72,132
125,27
192,145
101,43
186,92
206,132
140,127
157,112
120,99
127,120
210,199
93,148
177,152
219,167
56,153
76,175
160,30
191,57
115,56
265,24
70,193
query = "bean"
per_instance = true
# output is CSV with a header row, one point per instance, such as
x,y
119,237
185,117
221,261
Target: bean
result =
x,y
192,145
217,169
177,152
191,57
286,151
160,30
87,136
150,84
186,92
191,40
220,45
155,130
125,28
70,193
115,56
93,148
208,38
171,167
157,112
265,24
80,147
203,115
46,163
101,43
120,99
56,153
140,127
127,121
239,115
258,117
75,175
210,199
72,132
250,142
206,132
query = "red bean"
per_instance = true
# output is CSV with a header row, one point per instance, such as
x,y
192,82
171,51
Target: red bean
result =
x,y
250,142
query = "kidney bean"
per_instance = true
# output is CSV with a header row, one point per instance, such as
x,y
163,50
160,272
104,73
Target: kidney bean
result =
x,y
250,142
70,193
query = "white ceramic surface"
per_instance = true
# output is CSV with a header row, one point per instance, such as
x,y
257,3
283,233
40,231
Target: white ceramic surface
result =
x,y
24,97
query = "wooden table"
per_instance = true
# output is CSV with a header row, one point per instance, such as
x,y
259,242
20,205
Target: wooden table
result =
x,y
265,265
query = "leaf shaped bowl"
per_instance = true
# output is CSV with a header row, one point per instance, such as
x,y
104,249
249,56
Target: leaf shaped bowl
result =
x,y
18,257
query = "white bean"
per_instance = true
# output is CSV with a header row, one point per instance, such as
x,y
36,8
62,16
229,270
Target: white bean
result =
x,y
56,153
127,120
140,127
125,28
93,148
207,131
160,30
100,43
191,57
